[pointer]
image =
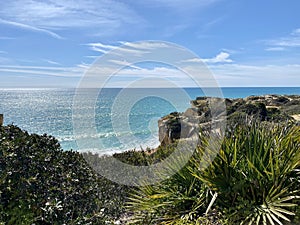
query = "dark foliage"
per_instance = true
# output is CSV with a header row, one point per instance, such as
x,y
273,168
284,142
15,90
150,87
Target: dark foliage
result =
x,y
42,184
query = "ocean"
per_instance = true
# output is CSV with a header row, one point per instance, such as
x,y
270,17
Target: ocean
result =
x,y
51,111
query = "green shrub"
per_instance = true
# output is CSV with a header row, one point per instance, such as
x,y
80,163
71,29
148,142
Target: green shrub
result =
x,y
42,184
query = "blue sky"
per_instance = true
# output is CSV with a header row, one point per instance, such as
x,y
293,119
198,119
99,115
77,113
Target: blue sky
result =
x,y
51,43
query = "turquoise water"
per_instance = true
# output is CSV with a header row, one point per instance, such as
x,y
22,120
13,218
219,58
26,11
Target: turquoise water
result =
x,y
50,111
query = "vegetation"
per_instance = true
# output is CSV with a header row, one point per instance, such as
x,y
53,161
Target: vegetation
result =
x,y
42,184
253,180
133,157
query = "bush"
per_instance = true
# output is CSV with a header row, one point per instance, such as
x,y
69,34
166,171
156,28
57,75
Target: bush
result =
x,y
42,184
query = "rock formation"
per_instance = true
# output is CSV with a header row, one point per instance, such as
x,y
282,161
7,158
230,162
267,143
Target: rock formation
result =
x,y
275,108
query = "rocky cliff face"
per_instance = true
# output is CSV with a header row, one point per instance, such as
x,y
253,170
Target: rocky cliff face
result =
x,y
275,108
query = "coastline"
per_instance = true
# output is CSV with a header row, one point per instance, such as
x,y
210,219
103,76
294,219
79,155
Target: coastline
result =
x,y
52,114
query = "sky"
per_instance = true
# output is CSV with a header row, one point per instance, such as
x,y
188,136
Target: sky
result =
x,y
53,43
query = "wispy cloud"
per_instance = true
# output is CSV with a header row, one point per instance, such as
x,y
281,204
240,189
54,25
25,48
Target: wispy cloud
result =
x,y
275,49
253,75
5,60
37,67
144,45
31,28
84,66
291,40
222,57
124,63
136,48
54,15
235,75
100,47
225,74
144,78
46,71
233,51
92,56
51,62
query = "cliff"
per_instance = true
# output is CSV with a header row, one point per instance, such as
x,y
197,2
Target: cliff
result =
x,y
273,108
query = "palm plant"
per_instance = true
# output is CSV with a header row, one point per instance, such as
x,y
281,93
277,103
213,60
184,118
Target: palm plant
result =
x,y
179,198
253,180
255,174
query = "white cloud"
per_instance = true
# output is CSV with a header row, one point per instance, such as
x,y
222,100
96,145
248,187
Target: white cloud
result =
x,y
233,51
46,71
102,48
154,72
51,62
124,63
252,75
144,78
275,49
222,57
5,60
292,40
193,60
37,67
31,28
126,47
235,75
296,32
55,15
144,45
83,65
92,56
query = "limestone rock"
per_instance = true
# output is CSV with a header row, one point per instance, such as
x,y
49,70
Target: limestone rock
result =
x,y
274,108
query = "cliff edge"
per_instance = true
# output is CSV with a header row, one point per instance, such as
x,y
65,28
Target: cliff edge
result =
x,y
272,108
